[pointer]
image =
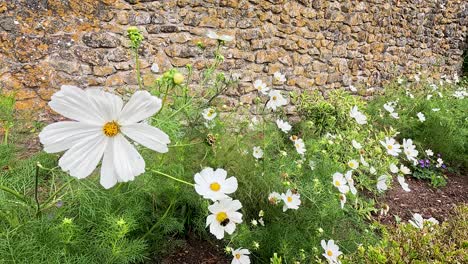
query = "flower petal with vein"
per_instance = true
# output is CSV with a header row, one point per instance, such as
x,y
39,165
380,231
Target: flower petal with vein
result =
x,y
98,129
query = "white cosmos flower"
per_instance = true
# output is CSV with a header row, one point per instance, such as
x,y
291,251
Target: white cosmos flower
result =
x,y
257,152
209,113
353,164
364,162
213,35
283,125
403,183
291,200
432,220
358,116
372,170
240,256
274,198
212,184
388,106
332,251
392,147
404,169
410,150
394,168
98,130
421,117
356,144
429,152
300,146
260,86
340,182
342,198
281,78
382,183
394,115
350,181
276,100
417,221
224,217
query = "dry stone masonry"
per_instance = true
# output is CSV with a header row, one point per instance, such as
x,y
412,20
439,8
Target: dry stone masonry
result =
x,y
318,44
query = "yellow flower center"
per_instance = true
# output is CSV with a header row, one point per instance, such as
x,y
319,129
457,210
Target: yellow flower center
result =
x,y
215,186
390,147
221,216
337,183
351,164
329,253
289,199
111,129
238,256
274,98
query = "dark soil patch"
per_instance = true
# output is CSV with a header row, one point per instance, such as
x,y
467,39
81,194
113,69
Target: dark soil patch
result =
x,y
195,251
424,199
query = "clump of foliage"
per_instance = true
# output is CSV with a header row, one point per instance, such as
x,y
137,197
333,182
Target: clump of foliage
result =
x,y
444,243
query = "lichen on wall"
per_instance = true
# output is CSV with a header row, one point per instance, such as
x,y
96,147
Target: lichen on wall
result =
x,y
319,44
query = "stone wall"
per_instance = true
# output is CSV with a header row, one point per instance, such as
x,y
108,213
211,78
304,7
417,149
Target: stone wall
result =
x,y
318,44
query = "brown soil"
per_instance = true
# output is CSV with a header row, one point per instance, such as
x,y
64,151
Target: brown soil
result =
x,y
424,199
196,251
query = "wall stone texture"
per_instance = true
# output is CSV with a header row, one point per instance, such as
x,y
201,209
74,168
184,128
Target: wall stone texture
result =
x,y
318,44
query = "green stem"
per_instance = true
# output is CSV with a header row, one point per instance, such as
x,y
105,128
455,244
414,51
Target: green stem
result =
x,y
5,139
159,221
14,193
137,66
51,197
184,145
172,177
36,197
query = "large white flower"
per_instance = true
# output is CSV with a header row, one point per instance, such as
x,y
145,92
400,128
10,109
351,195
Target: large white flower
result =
x,y
276,100
240,256
410,150
274,198
213,35
359,116
283,125
98,131
332,251
300,146
353,164
279,77
260,86
257,152
212,184
382,183
340,182
356,144
291,200
421,117
392,147
403,183
209,113
224,217
350,181
417,221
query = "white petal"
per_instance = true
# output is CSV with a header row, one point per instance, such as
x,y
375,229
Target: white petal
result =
x,y
148,136
72,102
108,173
128,163
61,136
108,105
81,159
140,106
230,228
